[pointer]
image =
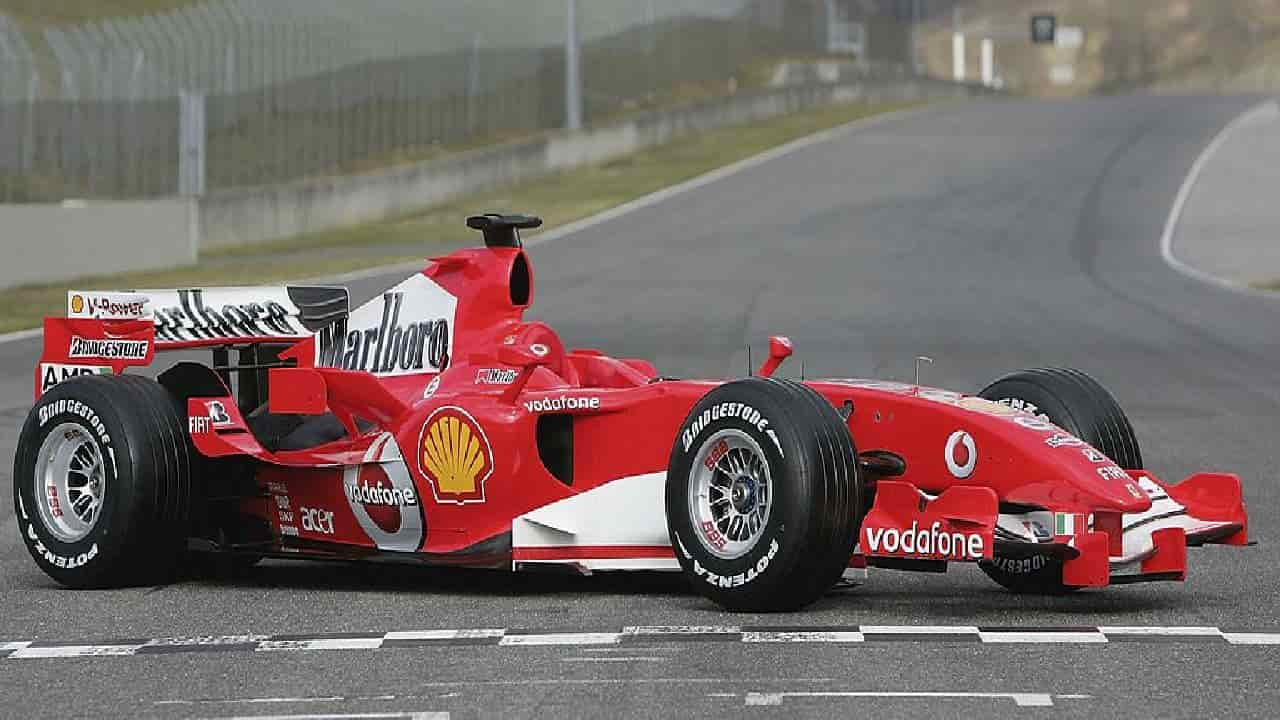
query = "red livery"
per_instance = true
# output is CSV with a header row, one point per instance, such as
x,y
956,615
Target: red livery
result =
x,y
435,424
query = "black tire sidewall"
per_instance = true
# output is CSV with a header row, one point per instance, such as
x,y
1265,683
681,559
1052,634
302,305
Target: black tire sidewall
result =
x,y
1026,577
1046,404
85,561
765,567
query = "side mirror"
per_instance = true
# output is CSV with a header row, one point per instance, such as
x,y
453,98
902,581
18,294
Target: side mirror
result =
x,y
780,348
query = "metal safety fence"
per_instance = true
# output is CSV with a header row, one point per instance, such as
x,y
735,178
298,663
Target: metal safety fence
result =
x,y
303,88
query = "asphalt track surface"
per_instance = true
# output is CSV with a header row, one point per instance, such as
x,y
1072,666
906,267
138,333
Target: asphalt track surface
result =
x,y
990,236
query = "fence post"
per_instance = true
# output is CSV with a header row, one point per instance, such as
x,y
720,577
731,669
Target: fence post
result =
x,y
191,144
473,85
572,69
988,62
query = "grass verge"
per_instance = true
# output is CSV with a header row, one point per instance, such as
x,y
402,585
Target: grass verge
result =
x,y
558,199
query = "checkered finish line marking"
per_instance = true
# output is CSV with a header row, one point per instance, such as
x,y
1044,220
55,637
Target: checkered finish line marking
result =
x,y
640,635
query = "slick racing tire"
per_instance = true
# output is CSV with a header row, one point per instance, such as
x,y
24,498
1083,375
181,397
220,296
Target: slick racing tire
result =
x,y
1078,404
102,482
763,495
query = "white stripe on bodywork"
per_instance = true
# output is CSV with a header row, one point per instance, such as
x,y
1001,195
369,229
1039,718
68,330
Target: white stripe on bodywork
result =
x,y
629,511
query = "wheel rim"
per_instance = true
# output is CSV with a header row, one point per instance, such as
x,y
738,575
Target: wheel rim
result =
x,y
730,493
69,482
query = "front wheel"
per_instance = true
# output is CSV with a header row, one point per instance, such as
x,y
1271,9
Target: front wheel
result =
x,y
763,495
1080,405
102,481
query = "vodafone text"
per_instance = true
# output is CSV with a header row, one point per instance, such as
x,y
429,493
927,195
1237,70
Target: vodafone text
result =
x,y
932,542
563,402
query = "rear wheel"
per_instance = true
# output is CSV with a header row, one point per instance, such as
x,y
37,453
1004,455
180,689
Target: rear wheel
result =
x,y
763,495
1080,405
102,481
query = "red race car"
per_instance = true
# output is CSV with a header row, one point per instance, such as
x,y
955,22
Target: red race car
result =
x,y
434,424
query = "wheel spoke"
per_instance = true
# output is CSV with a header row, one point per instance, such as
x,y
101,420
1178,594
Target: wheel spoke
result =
x,y
69,482
84,455
83,506
726,472
733,494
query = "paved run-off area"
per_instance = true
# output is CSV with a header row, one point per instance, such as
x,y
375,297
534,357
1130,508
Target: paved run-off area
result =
x,y
989,236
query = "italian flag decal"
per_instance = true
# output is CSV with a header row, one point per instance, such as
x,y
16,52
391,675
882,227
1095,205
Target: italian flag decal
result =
x,y
1064,524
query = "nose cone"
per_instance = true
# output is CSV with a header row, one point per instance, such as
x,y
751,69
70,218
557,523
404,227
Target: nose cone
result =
x,y
1116,493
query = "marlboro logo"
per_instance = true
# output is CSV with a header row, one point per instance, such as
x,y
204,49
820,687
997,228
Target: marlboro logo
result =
x,y
404,331
185,315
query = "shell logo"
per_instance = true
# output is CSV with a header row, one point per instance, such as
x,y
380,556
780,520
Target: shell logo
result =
x,y
455,455
77,304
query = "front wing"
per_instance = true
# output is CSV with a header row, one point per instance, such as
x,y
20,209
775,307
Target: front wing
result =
x,y
909,529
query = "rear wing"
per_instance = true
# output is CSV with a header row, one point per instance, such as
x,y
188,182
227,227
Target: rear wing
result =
x,y
105,332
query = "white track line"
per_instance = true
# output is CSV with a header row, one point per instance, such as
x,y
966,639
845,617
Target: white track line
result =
x,y
614,212
68,651
1266,109
477,634
919,630
1252,638
1183,631
350,716
1019,699
21,335
371,643
562,639
1041,637
681,630
614,658
801,636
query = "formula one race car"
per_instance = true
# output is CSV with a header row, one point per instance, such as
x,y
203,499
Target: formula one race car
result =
x,y
434,424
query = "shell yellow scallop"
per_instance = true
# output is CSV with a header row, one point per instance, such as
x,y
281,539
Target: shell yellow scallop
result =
x,y
455,455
